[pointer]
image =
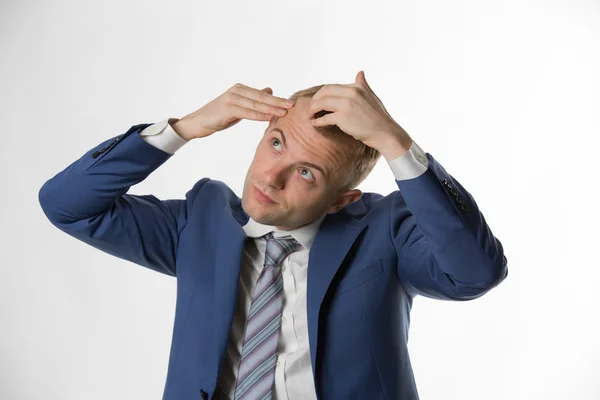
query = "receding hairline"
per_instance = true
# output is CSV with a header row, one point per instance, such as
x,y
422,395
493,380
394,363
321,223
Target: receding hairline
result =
x,y
352,174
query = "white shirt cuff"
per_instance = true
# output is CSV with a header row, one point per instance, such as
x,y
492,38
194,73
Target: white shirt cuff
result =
x,y
411,164
162,136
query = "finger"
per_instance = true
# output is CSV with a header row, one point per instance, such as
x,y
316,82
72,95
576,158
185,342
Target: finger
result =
x,y
246,113
328,103
327,119
364,79
336,91
263,97
257,105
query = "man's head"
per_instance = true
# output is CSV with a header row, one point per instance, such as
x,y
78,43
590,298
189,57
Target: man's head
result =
x,y
287,167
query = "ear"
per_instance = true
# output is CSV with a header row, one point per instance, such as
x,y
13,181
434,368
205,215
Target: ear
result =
x,y
353,195
349,196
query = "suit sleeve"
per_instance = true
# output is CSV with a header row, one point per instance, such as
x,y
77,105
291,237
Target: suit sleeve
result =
x,y
445,248
88,201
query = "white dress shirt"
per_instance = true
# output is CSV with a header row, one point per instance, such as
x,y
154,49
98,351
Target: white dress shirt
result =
x,y
293,372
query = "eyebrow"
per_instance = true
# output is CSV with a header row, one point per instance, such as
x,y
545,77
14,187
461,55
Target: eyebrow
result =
x,y
308,163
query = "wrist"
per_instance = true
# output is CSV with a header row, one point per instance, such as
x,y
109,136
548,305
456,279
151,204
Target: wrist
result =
x,y
394,151
178,126
397,143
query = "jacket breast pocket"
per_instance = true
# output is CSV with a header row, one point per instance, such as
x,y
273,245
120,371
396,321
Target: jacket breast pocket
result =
x,y
359,277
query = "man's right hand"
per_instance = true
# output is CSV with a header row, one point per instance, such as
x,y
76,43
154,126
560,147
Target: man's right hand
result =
x,y
237,103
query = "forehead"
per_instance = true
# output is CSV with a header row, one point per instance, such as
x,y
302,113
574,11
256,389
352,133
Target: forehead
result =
x,y
302,104
295,127
299,112
297,121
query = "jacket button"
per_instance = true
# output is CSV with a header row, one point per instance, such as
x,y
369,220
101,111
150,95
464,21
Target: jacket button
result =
x,y
203,394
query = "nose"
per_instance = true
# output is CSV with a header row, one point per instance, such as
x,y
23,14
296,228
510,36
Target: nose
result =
x,y
275,176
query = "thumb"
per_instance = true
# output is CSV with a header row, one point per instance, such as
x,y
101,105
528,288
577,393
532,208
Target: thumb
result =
x,y
360,78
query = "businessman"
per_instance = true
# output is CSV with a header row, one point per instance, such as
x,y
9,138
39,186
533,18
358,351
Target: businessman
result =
x,y
302,288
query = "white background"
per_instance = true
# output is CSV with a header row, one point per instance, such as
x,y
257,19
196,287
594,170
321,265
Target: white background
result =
x,y
504,94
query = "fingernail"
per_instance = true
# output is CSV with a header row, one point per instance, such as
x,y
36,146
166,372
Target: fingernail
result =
x,y
289,103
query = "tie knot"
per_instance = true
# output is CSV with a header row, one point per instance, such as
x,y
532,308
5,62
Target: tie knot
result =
x,y
279,248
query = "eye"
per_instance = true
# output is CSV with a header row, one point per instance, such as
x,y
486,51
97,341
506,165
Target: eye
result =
x,y
274,139
302,169
308,172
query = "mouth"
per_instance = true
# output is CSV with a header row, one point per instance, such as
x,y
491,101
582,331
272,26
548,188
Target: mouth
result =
x,y
261,196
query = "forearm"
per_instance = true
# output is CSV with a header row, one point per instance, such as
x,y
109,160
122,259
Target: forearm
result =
x,y
89,185
445,247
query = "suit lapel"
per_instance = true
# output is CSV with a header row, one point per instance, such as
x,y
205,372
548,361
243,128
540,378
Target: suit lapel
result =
x,y
230,245
333,241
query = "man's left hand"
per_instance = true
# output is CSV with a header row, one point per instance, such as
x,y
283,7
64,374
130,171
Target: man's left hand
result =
x,y
357,110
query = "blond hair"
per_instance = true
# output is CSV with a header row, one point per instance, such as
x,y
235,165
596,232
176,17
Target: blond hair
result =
x,y
360,159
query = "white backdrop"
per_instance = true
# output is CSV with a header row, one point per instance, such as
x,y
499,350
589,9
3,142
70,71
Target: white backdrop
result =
x,y
504,94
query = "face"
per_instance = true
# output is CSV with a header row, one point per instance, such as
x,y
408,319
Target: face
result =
x,y
286,168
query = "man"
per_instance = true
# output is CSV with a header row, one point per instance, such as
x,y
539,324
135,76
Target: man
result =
x,y
302,288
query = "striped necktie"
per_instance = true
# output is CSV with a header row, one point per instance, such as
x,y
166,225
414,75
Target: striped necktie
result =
x,y
259,352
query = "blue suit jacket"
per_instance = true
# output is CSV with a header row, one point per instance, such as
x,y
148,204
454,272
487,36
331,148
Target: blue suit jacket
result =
x,y
367,263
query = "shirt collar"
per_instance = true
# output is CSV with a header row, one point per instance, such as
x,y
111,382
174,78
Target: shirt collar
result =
x,y
305,235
